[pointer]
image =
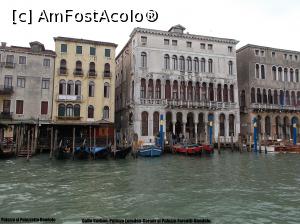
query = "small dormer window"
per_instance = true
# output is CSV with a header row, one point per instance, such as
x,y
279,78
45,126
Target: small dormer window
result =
x,y
202,46
188,44
262,53
209,46
230,49
144,40
166,41
273,54
256,52
174,42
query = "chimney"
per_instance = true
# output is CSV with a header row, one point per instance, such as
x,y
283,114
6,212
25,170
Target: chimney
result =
x,y
3,44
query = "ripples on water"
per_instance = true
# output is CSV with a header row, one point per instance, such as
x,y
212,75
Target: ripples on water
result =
x,y
226,188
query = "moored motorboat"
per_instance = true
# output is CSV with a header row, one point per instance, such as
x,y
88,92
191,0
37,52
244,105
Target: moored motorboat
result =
x,y
192,149
150,151
208,149
120,152
63,153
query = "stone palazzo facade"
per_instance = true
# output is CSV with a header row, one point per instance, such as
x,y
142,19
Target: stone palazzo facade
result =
x,y
269,89
189,79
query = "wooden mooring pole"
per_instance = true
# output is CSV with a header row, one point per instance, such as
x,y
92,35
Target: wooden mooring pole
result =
x,y
51,144
28,143
219,144
73,144
231,139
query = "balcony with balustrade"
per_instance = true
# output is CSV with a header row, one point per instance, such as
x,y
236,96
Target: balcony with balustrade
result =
x,y
189,104
6,90
274,107
6,115
69,98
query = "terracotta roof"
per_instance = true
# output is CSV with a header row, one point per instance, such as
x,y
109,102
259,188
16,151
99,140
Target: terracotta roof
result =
x,y
85,41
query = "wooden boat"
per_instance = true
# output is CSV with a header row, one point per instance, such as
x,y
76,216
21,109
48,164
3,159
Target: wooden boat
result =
x,y
99,152
6,154
63,152
150,151
82,152
120,152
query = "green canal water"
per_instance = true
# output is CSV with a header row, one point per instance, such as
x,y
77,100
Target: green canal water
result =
x,y
226,188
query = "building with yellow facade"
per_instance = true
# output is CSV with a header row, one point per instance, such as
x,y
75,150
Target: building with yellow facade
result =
x,y
84,83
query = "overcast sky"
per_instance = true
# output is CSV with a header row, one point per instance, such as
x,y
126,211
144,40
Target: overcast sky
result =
x,y
271,23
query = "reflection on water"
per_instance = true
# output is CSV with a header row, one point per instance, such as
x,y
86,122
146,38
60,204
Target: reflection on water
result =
x,y
226,188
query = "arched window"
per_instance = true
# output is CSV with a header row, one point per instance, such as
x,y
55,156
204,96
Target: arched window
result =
x,y
285,75
270,97
78,68
265,99
210,66
190,91
257,71
76,110
243,98
275,97
77,88
92,70
204,91
150,89
196,65
144,123
291,75
90,111
230,68
63,66
157,89
274,73
222,124
182,90
106,90
167,61
252,95
268,125
69,111
175,90
297,75
219,93
155,123
293,98
225,93
70,88
262,71
211,92
61,110
280,78
181,64
202,64
62,87
197,91
107,70
287,98
91,89
281,97
231,125
189,64
143,88
231,94
258,96
143,60
168,90
175,62
106,112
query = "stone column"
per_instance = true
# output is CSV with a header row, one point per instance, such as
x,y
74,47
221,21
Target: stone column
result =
x,y
216,126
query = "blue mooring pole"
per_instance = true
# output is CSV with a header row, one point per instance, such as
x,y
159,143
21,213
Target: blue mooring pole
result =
x,y
255,134
294,131
210,132
161,131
